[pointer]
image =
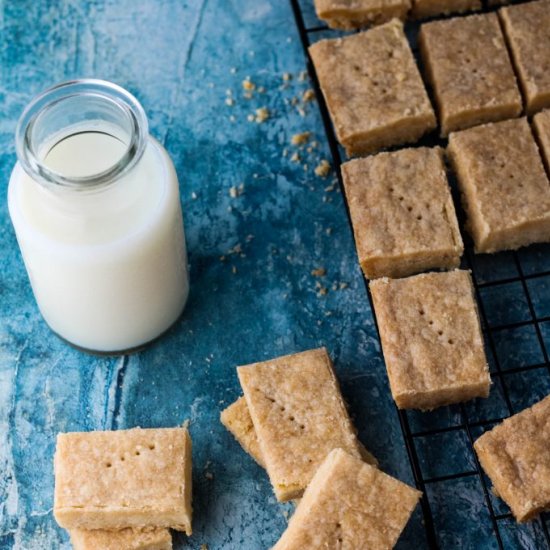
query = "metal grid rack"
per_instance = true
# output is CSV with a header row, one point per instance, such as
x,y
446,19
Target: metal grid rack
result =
x,y
510,273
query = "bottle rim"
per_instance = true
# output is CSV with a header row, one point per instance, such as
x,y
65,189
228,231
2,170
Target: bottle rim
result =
x,y
129,108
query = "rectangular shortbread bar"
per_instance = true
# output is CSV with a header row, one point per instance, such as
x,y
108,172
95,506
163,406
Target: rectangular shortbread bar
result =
x,y
127,478
299,416
541,122
236,418
125,539
402,213
431,339
431,8
356,14
373,89
349,504
526,27
516,456
505,190
470,71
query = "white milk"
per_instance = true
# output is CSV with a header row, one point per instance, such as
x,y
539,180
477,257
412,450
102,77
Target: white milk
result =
x,y
108,266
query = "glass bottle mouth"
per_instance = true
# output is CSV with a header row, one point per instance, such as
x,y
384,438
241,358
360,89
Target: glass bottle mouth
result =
x,y
75,107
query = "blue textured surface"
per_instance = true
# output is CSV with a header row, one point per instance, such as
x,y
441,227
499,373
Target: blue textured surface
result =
x,y
180,58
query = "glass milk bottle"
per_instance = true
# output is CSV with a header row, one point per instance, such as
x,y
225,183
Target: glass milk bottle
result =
x,y
95,204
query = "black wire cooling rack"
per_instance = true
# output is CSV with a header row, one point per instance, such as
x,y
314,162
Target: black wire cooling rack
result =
x,y
501,281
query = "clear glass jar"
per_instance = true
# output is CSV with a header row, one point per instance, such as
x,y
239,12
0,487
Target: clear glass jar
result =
x,y
94,201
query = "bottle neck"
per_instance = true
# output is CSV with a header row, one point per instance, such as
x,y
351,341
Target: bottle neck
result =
x,y
81,135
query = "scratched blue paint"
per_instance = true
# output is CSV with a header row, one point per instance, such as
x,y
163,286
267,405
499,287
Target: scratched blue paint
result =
x,y
180,58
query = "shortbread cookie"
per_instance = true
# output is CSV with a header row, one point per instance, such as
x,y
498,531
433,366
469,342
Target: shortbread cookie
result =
x,y
373,89
469,68
349,504
516,456
126,478
431,339
126,539
356,14
299,416
402,213
527,30
504,187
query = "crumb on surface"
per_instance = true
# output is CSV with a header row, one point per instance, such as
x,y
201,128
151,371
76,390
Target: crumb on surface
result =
x,y
308,95
248,85
262,114
319,272
287,77
295,157
323,169
229,101
236,190
300,138
237,249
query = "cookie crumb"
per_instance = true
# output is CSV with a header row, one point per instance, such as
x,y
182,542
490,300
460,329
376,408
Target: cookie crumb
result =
x,y
295,157
308,95
319,272
236,190
262,114
322,169
248,85
301,138
229,101
287,77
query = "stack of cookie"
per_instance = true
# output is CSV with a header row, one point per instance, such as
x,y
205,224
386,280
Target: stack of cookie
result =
x,y
293,421
123,489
